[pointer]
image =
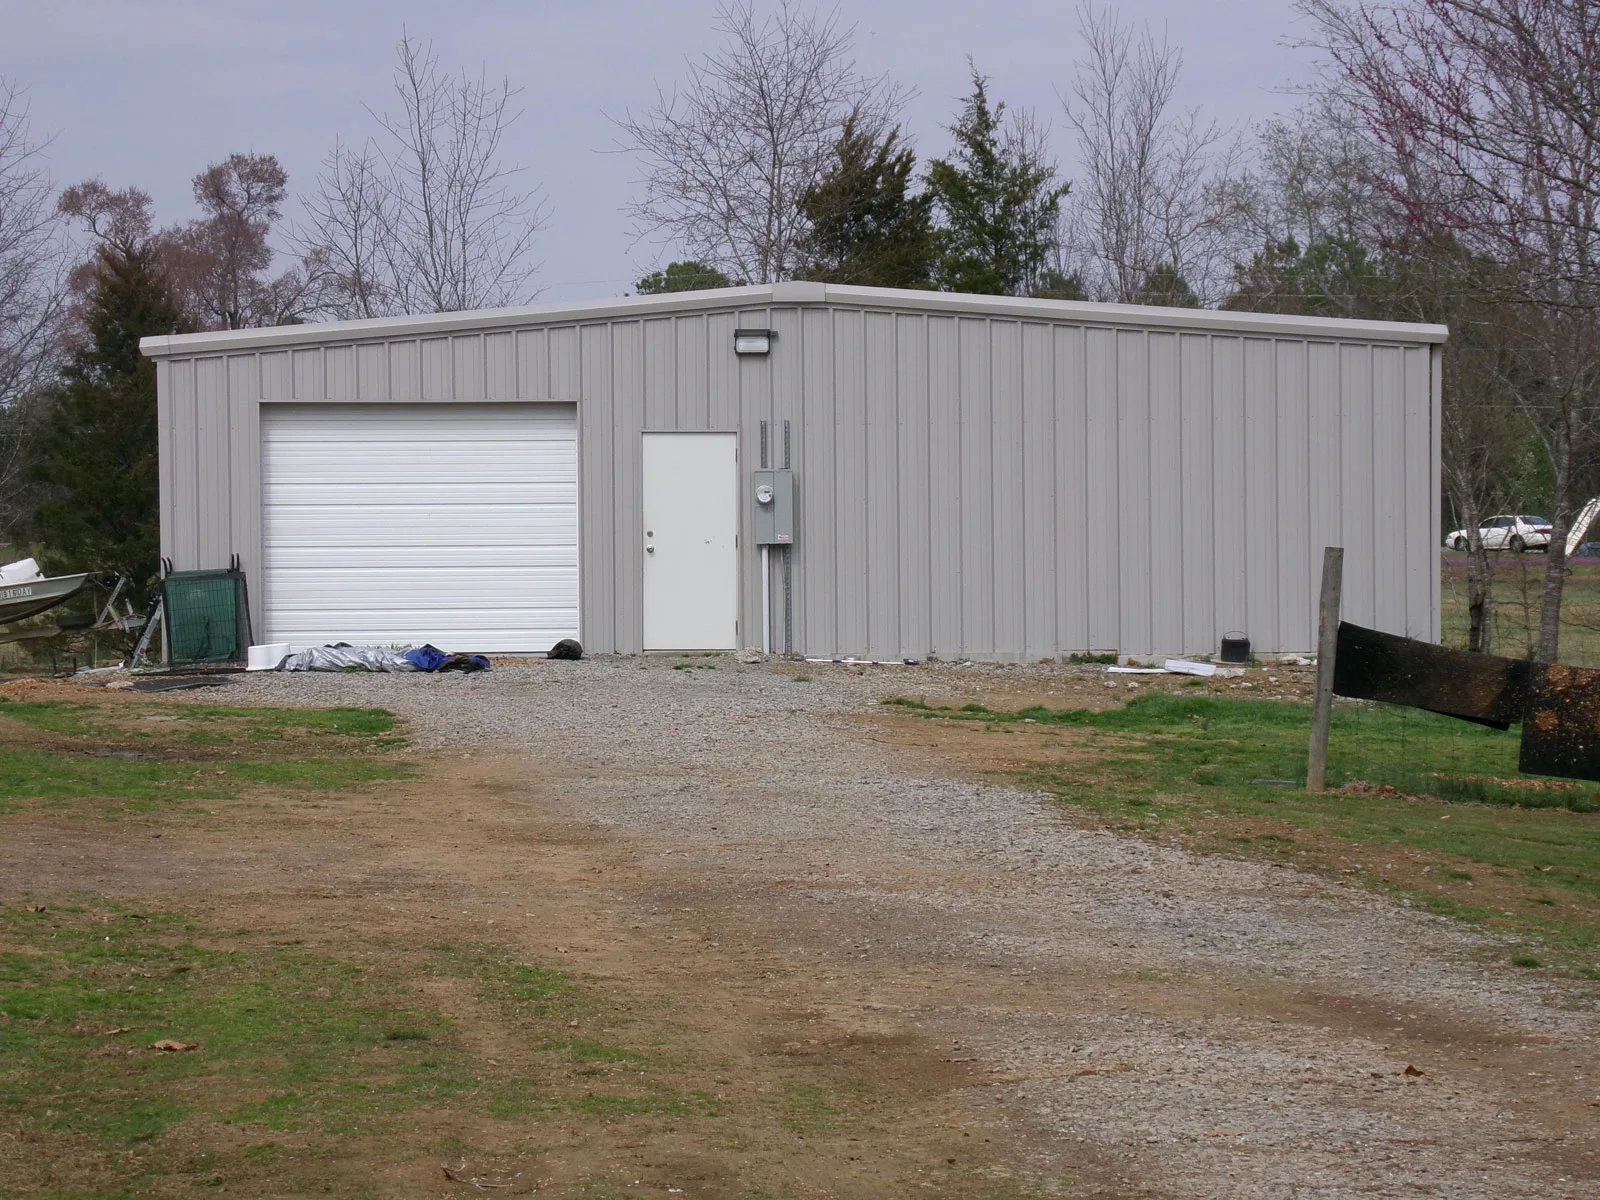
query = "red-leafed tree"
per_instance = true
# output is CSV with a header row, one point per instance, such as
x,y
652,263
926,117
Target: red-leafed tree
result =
x,y
1490,112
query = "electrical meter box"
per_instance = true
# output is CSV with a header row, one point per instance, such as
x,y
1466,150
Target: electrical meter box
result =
x,y
774,499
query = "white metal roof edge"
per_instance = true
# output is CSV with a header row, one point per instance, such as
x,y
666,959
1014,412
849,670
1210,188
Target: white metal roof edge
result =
x,y
785,294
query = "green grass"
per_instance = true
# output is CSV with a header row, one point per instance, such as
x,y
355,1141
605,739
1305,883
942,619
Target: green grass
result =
x,y
145,757
1417,783
52,779
287,1039
208,723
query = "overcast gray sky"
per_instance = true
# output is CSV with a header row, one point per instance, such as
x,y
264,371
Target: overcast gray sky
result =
x,y
148,92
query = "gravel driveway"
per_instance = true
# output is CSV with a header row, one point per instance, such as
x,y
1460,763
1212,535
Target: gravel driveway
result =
x,y
1203,1027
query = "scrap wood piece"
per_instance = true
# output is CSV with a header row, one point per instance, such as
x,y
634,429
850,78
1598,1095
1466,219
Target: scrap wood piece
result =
x,y
1480,688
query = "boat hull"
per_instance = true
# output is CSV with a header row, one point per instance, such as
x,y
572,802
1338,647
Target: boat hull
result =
x,y
19,600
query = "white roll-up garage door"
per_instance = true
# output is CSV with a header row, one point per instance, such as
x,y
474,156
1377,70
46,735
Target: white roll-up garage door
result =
x,y
397,524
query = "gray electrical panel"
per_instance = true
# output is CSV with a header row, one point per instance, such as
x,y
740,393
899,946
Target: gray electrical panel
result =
x,y
773,492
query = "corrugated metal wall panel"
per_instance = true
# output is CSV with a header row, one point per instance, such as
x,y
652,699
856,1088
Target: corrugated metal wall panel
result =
x,y
627,373
372,371
339,366
967,485
1324,443
244,469
816,541
1099,525
1227,537
405,370
1163,558
1039,492
533,365
944,484
912,508
883,487
1260,528
1195,536
170,462
1299,577
187,497
1071,550
1132,492
850,481
308,382
1010,548
211,445
277,380
975,485
604,527
1356,502
467,367
500,366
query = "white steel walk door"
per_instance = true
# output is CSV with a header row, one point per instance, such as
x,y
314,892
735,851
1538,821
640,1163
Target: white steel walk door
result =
x,y
691,529
398,524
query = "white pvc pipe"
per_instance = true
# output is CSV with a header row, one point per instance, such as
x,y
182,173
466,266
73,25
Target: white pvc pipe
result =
x,y
766,603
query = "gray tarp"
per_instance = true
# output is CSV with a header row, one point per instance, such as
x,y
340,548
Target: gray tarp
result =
x,y
339,658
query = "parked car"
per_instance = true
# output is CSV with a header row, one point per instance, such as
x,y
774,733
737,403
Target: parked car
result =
x,y
1587,550
1515,533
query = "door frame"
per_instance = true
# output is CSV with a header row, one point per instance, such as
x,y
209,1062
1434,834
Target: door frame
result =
x,y
738,532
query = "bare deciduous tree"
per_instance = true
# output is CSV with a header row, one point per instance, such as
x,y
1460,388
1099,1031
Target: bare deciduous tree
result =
x,y
728,157
32,286
1488,110
1154,186
426,216
216,263
1314,178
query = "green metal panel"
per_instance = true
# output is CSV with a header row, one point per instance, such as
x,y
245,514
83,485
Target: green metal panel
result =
x,y
205,614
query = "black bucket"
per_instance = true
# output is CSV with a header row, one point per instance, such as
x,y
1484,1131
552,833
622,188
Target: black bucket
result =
x,y
1235,648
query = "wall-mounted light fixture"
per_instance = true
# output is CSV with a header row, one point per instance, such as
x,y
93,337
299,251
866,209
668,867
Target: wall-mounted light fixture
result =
x,y
753,341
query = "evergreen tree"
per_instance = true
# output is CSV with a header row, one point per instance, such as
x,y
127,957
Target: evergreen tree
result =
x,y
1331,277
1056,284
996,200
93,457
682,277
1163,286
866,225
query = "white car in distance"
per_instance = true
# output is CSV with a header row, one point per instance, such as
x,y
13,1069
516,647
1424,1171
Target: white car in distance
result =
x,y
1515,533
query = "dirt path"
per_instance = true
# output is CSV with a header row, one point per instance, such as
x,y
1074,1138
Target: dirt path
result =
x,y
987,999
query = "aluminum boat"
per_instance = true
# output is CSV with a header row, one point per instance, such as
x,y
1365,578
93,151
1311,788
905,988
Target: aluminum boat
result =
x,y
24,591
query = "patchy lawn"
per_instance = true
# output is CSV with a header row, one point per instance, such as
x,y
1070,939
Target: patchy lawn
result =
x,y
280,1062
140,756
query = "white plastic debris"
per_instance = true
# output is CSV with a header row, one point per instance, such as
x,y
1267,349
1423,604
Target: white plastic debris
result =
x,y
24,570
266,657
1182,666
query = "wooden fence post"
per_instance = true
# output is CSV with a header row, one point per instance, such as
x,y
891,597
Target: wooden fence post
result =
x,y
1327,650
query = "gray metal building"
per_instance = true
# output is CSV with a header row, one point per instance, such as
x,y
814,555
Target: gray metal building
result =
x,y
978,477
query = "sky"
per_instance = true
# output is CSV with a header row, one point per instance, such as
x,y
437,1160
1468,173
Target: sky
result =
x,y
148,92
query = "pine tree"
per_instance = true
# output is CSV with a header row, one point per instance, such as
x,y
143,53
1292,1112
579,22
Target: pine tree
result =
x,y
688,276
996,201
866,225
1165,287
93,457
